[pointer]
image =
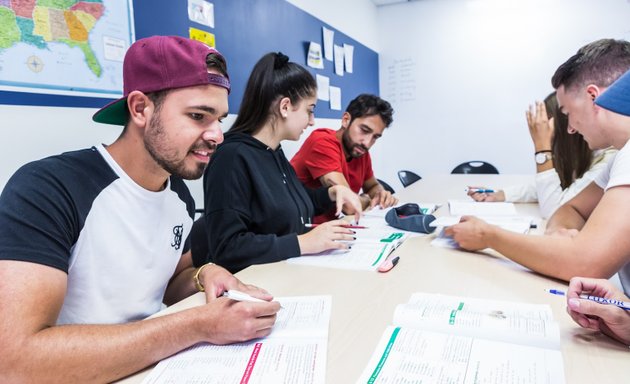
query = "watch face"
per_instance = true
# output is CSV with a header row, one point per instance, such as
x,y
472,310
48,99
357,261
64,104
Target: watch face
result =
x,y
542,157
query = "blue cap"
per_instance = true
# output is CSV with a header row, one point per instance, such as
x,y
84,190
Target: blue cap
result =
x,y
616,98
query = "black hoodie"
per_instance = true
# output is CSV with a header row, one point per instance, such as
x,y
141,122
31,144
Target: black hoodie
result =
x,y
255,205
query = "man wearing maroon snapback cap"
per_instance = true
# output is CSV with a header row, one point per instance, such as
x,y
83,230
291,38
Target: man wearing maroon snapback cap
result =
x,y
96,239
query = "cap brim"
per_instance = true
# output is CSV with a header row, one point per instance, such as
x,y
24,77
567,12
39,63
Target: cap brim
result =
x,y
113,113
616,98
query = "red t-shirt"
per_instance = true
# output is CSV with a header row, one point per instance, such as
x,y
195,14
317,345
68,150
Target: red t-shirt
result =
x,y
322,153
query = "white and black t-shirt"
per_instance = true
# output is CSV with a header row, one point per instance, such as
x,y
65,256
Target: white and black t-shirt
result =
x,y
118,242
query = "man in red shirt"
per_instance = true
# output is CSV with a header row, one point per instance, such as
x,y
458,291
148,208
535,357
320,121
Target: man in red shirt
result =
x,y
330,157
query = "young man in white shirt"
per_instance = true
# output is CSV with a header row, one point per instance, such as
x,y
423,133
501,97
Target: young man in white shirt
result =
x,y
94,240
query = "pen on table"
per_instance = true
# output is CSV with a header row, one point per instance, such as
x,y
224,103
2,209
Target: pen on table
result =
x,y
309,225
242,296
601,300
479,190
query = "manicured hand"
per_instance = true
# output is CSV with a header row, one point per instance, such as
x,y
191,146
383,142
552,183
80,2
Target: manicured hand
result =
x,y
609,319
330,235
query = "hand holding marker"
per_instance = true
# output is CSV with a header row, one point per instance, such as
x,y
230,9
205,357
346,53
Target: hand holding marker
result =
x,y
602,300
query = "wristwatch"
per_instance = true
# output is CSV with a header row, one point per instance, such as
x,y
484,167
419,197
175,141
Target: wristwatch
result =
x,y
542,157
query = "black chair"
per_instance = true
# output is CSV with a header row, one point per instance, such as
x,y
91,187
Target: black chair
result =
x,y
475,167
386,186
407,177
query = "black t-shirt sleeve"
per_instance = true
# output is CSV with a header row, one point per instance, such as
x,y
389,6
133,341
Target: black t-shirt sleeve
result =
x,y
38,218
44,204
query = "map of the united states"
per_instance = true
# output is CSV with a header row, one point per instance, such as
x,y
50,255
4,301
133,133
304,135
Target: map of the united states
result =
x,y
40,22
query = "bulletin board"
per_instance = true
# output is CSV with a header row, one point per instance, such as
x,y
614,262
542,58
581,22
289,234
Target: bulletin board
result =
x,y
244,31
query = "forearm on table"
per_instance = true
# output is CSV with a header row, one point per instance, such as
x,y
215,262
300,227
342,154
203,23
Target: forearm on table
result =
x,y
97,353
555,256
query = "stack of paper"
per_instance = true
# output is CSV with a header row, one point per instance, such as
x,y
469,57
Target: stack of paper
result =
x,y
447,339
295,352
501,214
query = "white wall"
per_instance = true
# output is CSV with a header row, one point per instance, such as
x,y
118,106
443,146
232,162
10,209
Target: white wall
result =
x,y
461,73
31,133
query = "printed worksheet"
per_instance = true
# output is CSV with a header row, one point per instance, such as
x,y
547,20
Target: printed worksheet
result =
x,y
295,352
371,247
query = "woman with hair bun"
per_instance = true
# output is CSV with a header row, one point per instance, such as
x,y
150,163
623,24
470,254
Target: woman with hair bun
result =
x,y
256,209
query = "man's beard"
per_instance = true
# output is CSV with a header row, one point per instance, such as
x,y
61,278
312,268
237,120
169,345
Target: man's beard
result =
x,y
154,142
349,146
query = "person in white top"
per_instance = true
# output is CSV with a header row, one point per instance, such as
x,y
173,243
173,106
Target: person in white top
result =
x,y
565,164
588,235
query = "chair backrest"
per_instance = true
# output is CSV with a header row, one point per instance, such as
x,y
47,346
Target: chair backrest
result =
x,y
475,167
386,186
408,177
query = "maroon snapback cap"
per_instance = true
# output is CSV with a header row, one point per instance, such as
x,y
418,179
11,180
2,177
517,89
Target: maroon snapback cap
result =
x,y
158,63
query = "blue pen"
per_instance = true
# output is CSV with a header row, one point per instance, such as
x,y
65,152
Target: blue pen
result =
x,y
618,303
479,190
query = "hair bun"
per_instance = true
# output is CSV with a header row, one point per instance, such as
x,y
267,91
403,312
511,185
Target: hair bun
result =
x,y
280,61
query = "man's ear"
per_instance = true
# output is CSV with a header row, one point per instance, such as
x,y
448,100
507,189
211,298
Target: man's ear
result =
x,y
345,120
138,105
593,91
285,106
